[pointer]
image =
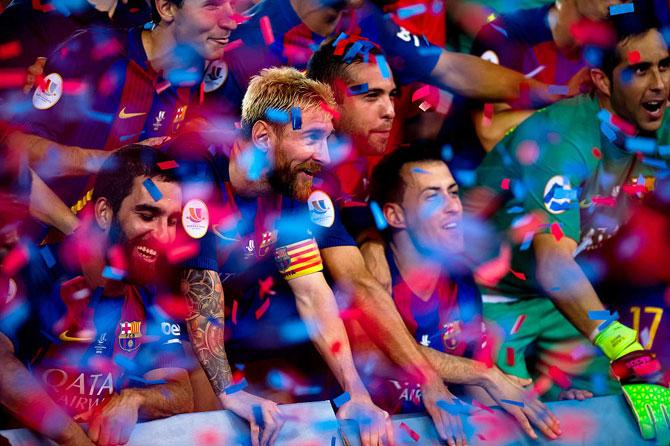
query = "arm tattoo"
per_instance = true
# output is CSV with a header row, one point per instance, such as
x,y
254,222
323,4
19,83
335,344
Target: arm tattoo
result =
x,y
204,296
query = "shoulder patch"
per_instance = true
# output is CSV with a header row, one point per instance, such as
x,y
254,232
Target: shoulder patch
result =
x,y
195,218
48,92
216,75
558,194
491,56
321,210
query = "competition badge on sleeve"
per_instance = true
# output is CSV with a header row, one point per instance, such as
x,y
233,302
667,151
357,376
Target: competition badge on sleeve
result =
x,y
321,210
48,92
195,218
558,194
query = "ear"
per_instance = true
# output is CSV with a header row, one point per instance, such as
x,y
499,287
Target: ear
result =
x,y
394,215
601,81
103,213
261,134
166,10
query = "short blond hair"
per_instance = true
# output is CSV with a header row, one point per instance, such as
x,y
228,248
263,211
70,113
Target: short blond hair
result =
x,y
281,88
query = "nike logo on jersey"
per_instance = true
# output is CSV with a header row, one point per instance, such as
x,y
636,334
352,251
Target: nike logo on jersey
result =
x,y
124,115
66,338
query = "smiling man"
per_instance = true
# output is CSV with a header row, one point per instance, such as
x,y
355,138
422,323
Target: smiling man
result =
x,y
97,349
572,169
106,88
261,255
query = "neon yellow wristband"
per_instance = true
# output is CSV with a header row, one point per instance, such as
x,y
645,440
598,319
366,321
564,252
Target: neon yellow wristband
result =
x,y
617,340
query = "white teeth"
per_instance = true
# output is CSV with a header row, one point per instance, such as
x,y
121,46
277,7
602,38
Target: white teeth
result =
x,y
450,226
146,251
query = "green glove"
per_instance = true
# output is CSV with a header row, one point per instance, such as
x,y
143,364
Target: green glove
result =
x,y
640,374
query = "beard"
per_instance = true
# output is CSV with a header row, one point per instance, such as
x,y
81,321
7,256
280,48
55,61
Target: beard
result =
x,y
285,179
145,259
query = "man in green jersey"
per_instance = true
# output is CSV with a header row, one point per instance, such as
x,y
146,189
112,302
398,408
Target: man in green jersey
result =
x,y
567,177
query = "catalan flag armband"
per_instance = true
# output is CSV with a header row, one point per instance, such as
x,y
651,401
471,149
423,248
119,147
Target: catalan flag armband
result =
x,y
298,259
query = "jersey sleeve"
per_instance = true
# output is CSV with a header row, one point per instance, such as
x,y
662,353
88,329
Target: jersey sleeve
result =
x,y
64,96
551,168
411,57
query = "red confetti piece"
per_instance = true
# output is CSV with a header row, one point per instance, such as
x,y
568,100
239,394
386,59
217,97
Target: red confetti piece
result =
x,y
633,57
517,324
234,315
625,126
331,110
520,276
482,406
39,6
597,153
10,49
12,78
266,30
262,309
162,86
174,306
15,260
510,356
239,18
265,287
166,165
421,93
74,87
410,432
604,201
234,45
117,258
481,437
209,437
201,97
335,348
487,117
180,253
556,231
528,152
504,184
560,377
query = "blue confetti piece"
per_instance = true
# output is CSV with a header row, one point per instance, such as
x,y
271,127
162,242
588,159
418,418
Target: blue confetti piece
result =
x,y
125,363
109,272
277,116
342,36
410,11
664,150
593,56
152,189
570,194
604,115
624,8
499,29
419,170
515,210
512,402
466,178
107,118
380,221
603,315
357,89
447,153
453,408
608,131
640,144
124,138
599,383
340,400
527,240
332,441
258,415
383,66
236,387
429,51
656,163
558,89
47,256
147,382
296,118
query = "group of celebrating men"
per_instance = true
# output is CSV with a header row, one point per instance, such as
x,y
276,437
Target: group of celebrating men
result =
x,y
206,208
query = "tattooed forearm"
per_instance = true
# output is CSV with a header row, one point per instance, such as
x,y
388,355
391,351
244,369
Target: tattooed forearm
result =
x,y
204,296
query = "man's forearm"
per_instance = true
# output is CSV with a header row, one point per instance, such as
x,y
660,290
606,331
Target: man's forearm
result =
x,y
383,324
204,295
58,159
25,398
457,369
162,400
327,331
47,207
475,78
565,283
